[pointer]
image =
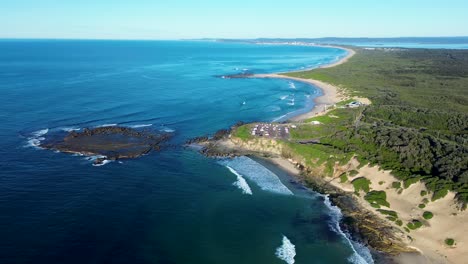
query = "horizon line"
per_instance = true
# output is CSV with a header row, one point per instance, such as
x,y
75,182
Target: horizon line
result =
x,y
215,38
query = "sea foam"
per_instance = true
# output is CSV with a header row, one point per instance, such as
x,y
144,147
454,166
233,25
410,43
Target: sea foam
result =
x,y
361,254
36,137
141,125
292,85
258,174
287,251
241,183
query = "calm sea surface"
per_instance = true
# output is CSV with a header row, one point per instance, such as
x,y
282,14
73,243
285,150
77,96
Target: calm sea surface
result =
x,y
173,206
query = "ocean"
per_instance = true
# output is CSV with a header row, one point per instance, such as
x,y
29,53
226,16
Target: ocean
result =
x,y
171,206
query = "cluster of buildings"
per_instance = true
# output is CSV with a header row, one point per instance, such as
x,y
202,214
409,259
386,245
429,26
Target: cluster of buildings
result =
x,y
271,130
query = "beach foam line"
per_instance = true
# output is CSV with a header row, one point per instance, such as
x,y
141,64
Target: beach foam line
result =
x,y
241,183
287,251
141,125
258,174
107,125
361,254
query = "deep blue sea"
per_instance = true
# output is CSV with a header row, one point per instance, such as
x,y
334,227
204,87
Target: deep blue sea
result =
x,y
172,206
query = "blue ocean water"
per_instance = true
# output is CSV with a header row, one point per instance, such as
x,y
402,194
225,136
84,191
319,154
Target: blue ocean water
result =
x,y
173,206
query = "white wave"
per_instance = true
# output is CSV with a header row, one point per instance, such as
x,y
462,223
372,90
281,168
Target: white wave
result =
x,y
167,130
36,137
287,251
245,69
241,183
279,118
41,132
70,129
361,254
292,85
258,174
142,125
292,102
104,162
284,97
107,125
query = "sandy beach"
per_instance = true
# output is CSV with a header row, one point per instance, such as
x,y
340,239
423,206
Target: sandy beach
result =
x,y
330,94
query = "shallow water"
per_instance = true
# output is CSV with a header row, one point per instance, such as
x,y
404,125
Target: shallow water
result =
x,y
173,206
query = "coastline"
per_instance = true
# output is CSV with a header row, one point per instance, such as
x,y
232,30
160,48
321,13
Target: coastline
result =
x,y
423,245
331,94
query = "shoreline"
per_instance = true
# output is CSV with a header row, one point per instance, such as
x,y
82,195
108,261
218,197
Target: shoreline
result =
x,y
421,246
331,94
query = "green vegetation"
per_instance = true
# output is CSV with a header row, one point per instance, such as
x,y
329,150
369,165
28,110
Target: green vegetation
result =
x,y
407,229
388,212
343,178
377,199
353,173
243,132
413,225
381,182
399,222
449,241
422,206
417,123
396,185
428,215
361,184
423,193
407,182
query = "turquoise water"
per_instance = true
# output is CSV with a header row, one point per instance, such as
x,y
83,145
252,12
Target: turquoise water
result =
x,y
173,206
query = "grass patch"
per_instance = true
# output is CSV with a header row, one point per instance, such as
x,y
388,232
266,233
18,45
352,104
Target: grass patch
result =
x,y
243,132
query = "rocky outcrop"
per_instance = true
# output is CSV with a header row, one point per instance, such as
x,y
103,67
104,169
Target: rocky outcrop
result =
x,y
110,142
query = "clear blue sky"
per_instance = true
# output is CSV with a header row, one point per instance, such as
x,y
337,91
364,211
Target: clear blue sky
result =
x,y
174,19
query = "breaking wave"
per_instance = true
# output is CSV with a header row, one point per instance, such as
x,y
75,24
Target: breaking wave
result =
x,y
292,85
361,254
287,251
36,137
241,183
258,174
140,126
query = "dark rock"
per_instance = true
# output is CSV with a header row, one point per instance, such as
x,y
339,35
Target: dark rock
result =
x,y
112,142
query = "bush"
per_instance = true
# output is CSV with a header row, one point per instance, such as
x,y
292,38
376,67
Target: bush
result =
x,y
440,194
399,222
422,206
428,215
388,212
413,225
377,198
396,185
361,184
423,193
343,178
408,182
353,173
449,241
381,182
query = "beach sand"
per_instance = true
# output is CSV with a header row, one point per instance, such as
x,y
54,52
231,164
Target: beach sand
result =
x,y
330,94
448,221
